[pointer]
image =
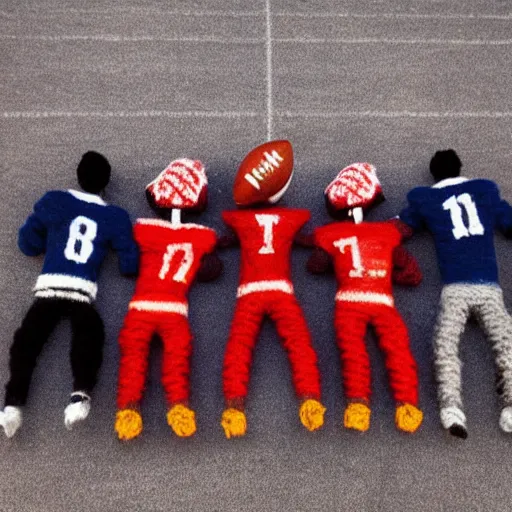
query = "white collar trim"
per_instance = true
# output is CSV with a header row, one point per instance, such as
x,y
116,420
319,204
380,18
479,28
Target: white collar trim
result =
x,y
169,225
448,182
88,198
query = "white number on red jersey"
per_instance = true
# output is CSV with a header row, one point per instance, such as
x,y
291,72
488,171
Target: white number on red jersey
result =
x,y
82,230
460,230
187,258
267,222
357,264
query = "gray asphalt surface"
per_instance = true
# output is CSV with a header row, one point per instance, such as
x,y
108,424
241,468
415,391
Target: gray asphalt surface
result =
x,y
144,82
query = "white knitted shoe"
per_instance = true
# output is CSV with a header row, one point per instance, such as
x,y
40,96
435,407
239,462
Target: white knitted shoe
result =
x,y
11,419
454,420
506,419
78,409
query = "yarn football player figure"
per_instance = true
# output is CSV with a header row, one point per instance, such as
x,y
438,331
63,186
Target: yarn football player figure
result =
x,y
172,255
266,234
368,257
74,229
462,215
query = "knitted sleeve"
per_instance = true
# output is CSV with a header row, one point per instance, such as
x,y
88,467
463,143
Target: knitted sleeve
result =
x,y
32,235
406,270
124,244
504,218
411,215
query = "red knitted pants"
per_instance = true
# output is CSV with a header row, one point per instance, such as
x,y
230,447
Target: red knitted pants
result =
x,y
291,326
134,342
351,321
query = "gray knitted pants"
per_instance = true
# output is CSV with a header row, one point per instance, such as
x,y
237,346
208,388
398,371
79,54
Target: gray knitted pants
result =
x,y
458,301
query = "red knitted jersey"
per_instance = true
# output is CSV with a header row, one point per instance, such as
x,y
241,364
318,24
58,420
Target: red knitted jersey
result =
x,y
266,237
362,254
170,256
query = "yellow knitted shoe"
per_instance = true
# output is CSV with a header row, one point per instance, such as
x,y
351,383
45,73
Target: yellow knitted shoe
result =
x,y
128,424
182,420
408,418
357,416
234,423
311,414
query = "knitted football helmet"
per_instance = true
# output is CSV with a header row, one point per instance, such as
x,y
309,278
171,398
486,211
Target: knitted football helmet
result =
x,y
182,185
355,186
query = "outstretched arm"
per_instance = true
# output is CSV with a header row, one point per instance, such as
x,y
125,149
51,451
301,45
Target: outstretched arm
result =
x,y
210,269
406,270
32,236
411,216
304,240
125,246
228,240
404,229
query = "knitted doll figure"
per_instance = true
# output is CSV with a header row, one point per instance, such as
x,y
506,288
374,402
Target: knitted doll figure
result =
x,y
462,215
266,235
172,255
74,229
367,258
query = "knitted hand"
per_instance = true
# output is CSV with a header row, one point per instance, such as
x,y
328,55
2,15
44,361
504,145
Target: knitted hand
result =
x,y
406,269
303,240
210,269
319,262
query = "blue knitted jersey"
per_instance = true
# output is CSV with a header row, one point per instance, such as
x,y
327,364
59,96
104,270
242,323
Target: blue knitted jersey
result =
x,y
462,216
75,230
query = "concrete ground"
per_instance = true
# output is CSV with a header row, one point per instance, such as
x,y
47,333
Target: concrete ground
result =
x,y
146,81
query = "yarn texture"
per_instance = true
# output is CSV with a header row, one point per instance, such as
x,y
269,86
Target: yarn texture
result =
x,y
171,256
367,259
128,424
462,216
265,289
74,229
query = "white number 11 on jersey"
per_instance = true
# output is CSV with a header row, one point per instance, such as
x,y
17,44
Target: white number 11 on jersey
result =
x,y
460,230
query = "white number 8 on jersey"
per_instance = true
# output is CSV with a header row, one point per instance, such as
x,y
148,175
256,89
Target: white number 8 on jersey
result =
x,y
82,230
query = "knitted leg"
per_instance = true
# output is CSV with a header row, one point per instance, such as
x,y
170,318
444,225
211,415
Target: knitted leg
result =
x,y
134,341
86,346
403,374
394,341
177,340
452,318
350,323
29,339
497,324
237,361
292,328
242,339
86,357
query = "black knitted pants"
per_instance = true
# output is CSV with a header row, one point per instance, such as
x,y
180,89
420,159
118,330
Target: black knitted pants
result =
x,y
86,346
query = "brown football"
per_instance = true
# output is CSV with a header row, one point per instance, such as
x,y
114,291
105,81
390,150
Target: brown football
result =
x,y
264,174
